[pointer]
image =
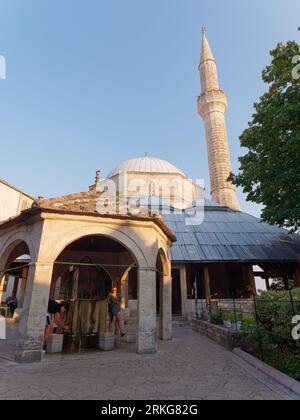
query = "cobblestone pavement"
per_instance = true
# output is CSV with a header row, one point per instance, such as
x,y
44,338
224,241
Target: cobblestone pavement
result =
x,y
189,367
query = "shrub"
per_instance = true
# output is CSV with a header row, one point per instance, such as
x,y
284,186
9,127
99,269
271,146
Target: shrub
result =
x,y
204,317
275,311
231,316
216,318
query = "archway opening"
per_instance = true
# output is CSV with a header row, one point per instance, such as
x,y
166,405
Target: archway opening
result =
x,y
84,275
13,278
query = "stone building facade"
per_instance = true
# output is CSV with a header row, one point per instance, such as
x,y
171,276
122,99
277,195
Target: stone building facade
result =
x,y
137,229
12,201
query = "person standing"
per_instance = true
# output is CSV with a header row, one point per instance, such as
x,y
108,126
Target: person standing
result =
x,y
114,310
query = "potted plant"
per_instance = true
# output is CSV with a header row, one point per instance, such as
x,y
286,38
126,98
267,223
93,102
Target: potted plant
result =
x,y
227,319
236,322
232,320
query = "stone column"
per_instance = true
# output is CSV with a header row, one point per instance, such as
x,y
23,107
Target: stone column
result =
x,y
297,275
251,280
183,287
166,309
32,325
146,322
207,284
23,286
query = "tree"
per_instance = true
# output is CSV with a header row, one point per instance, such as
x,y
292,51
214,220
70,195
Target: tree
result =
x,y
279,286
270,171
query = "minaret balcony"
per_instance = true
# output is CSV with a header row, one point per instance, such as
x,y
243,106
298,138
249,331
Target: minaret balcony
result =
x,y
212,101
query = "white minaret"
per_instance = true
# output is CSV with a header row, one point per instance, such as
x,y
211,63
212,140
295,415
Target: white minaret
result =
x,y
212,105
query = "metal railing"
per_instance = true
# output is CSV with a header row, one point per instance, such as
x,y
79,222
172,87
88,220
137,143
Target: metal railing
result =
x,y
266,321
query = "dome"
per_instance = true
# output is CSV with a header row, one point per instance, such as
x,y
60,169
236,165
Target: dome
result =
x,y
146,165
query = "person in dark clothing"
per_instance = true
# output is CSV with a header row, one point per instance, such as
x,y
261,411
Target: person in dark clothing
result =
x,y
12,303
54,316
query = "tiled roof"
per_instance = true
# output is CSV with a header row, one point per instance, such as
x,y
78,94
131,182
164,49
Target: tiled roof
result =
x,y
226,235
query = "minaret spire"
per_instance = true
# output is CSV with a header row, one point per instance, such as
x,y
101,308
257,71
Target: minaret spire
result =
x,y
212,105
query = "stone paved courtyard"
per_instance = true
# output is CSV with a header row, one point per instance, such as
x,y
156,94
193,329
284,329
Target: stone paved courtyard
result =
x,y
189,367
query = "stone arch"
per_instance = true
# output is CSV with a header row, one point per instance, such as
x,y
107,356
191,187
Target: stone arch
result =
x,y
14,274
129,243
164,261
88,259
13,248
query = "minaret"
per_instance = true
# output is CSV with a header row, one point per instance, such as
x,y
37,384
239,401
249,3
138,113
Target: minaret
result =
x,y
212,105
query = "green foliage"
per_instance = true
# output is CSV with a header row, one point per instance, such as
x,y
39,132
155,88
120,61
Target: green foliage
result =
x,y
248,324
275,311
273,328
216,318
279,286
289,364
231,316
269,172
204,317
270,334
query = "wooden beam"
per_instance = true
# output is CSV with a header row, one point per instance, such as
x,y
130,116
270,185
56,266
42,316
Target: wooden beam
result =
x,y
207,284
251,279
183,287
297,275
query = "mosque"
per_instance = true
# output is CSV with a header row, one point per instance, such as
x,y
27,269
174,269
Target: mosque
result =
x,y
147,228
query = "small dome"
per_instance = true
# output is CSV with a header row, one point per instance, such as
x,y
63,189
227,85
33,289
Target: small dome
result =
x,y
146,165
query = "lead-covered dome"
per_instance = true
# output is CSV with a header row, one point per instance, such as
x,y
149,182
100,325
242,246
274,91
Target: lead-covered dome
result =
x,y
146,165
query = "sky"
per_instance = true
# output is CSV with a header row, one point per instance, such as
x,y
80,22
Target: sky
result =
x,y
92,83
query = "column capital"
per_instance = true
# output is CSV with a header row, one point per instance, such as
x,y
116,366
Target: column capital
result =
x,y
148,269
43,265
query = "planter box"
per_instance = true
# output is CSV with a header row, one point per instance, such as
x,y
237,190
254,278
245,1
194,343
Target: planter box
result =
x,y
55,344
227,324
228,338
236,326
107,341
17,316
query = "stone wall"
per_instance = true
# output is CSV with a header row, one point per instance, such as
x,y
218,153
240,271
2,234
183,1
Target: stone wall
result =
x,y
227,338
246,306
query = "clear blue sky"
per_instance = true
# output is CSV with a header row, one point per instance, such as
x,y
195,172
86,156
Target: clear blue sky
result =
x,y
91,83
